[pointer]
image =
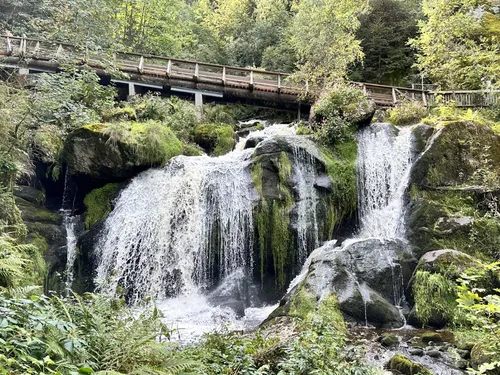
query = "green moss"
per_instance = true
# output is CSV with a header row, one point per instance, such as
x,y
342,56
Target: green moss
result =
x,y
431,336
435,297
340,163
273,221
190,150
40,242
36,213
120,114
215,138
404,366
302,304
304,130
98,203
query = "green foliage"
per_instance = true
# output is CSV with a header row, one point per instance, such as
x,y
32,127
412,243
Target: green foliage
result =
x,y
317,345
456,47
70,99
435,297
20,264
152,141
44,335
336,111
98,203
407,113
384,33
322,33
479,299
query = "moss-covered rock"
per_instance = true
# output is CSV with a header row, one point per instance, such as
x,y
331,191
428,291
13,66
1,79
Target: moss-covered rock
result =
x,y
98,203
389,339
454,185
117,151
216,139
480,354
431,336
34,213
275,178
401,365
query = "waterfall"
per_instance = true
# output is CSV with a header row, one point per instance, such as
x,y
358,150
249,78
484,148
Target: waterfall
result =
x,y
384,164
71,226
186,228
179,229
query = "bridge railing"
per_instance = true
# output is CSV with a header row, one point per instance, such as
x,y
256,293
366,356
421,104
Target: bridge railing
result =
x,y
236,77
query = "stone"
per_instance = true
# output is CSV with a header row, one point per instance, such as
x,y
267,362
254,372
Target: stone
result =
x,y
30,194
461,364
433,353
361,278
33,212
465,354
449,262
399,364
324,182
467,345
416,351
431,337
389,339
449,225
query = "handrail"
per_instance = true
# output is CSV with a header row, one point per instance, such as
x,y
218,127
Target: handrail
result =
x,y
254,79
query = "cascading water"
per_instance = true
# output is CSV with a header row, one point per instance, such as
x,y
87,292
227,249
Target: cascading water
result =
x,y
384,164
179,229
178,232
385,158
71,225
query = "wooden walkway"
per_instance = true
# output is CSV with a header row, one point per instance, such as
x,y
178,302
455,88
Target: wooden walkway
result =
x,y
37,55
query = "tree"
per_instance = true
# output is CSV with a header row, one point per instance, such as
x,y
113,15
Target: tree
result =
x,y
384,35
459,44
323,35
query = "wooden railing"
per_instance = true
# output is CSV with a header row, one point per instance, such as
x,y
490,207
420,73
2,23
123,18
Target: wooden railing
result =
x,y
252,79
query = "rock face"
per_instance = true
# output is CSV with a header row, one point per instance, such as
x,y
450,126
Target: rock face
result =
x,y
455,185
294,213
368,276
91,153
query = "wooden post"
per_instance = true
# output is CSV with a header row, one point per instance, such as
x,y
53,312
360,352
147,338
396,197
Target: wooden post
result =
x,y
9,46
196,71
37,48
140,68
279,83
22,47
169,68
251,79
307,86
365,91
131,89
224,75
394,96
424,98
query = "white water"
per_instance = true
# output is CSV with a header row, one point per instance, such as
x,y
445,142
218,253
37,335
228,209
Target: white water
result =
x,y
385,158
384,164
177,232
70,224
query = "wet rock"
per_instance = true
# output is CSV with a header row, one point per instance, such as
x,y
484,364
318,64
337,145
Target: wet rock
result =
x,y
30,194
431,337
324,182
451,262
364,280
399,364
433,353
468,345
416,351
389,339
461,364
449,225
422,134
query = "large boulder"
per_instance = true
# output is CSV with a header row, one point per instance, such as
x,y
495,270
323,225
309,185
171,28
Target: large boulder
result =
x,y
368,276
295,209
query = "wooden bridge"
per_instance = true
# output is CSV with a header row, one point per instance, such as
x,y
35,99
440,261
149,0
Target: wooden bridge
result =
x,y
143,72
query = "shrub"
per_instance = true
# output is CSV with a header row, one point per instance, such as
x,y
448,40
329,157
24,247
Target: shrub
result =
x,y
407,113
345,101
435,297
156,144
334,130
81,335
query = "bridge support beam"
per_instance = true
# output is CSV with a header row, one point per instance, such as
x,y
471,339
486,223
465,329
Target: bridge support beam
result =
x,y
131,89
198,100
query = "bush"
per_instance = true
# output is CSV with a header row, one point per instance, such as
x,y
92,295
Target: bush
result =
x,y
344,101
407,113
81,335
334,130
